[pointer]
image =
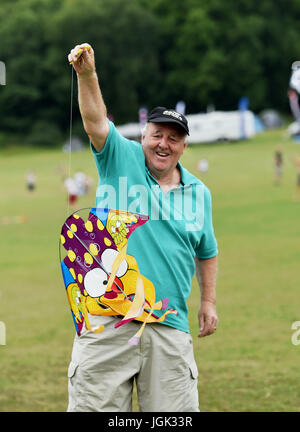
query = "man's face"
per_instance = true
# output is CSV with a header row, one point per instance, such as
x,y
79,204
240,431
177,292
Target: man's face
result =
x,y
163,144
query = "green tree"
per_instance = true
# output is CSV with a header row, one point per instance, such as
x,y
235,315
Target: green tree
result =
x,y
124,39
24,99
216,51
38,35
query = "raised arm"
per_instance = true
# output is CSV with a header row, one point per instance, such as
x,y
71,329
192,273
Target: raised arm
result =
x,y
91,104
206,272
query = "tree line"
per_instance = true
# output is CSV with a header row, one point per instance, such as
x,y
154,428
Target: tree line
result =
x,y
148,53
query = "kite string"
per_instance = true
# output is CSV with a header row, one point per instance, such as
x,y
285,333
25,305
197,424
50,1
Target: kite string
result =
x,y
70,136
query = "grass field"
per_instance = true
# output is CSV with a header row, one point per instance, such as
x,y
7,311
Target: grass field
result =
x,y
250,364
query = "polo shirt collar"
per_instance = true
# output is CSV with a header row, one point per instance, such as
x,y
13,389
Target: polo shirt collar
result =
x,y
186,177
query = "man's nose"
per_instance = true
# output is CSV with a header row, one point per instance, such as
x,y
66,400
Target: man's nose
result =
x,y
163,142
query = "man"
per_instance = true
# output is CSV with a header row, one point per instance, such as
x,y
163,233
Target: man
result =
x,y
168,249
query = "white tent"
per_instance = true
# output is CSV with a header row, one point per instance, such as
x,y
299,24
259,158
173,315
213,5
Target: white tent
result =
x,y
221,125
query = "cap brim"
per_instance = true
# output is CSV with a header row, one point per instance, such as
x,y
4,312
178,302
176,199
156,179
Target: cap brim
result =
x,y
169,120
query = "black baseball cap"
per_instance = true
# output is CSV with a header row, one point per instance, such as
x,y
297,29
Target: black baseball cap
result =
x,y
165,115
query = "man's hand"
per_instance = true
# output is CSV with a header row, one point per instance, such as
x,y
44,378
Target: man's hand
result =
x,y
208,318
91,104
83,60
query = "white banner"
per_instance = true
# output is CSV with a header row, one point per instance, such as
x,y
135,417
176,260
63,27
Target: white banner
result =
x,y
2,73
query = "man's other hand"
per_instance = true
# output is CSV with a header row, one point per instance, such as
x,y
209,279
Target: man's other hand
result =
x,y
208,318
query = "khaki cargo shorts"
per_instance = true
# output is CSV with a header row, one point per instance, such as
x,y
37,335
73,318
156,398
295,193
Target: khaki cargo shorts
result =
x,y
104,366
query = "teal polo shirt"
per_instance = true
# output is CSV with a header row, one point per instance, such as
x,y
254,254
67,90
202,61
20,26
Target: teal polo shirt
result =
x,y
180,221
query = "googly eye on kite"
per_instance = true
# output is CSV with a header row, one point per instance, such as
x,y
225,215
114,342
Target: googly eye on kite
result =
x,y
95,282
108,257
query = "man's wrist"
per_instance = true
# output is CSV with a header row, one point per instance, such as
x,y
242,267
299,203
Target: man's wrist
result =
x,y
208,300
87,76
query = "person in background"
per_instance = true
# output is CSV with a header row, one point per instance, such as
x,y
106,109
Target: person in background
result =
x,y
31,181
278,162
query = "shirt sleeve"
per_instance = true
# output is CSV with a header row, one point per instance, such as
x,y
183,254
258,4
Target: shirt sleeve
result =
x,y
111,158
208,247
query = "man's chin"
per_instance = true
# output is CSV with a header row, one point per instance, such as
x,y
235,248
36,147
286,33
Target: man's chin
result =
x,y
161,164
158,170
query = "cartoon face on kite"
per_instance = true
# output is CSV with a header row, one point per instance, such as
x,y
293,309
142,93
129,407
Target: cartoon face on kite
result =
x,y
100,277
117,226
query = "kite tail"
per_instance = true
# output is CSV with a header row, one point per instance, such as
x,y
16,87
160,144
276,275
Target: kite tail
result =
x,y
87,321
136,338
169,311
137,307
94,329
161,304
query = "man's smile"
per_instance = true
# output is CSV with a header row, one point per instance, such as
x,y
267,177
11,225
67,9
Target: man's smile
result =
x,y
162,154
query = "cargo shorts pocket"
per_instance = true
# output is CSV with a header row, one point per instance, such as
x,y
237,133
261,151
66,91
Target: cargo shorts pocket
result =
x,y
193,370
193,400
72,369
72,387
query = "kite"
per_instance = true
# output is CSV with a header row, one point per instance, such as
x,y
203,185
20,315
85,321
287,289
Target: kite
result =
x,y
100,277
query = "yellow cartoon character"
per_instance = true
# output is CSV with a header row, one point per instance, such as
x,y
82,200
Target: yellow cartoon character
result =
x,y
78,307
100,277
116,225
122,291
76,301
